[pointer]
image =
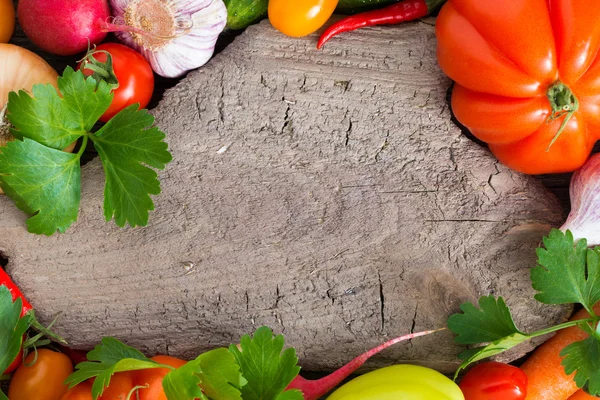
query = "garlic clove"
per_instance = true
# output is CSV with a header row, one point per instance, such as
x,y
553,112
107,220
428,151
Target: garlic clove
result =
x,y
584,219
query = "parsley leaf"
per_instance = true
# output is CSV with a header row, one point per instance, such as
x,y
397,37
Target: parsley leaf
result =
x,y
57,121
124,144
491,322
213,375
583,358
566,272
267,369
107,358
42,181
47,183
12,327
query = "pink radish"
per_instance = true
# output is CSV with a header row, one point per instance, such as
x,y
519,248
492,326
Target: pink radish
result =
x,y
315,389
63,27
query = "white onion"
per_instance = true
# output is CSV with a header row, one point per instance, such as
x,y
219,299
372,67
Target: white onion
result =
x,y
175,36
584,219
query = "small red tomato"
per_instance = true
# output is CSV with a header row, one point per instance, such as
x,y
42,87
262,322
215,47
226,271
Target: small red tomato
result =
x,y
494,381
134,73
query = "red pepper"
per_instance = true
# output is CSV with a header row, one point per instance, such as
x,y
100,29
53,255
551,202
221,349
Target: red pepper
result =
x,y
406,10
15,291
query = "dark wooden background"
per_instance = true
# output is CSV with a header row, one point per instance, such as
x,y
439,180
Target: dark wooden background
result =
x,y
557,183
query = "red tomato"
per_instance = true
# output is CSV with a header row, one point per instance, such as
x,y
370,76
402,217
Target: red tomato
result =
x,y
494,381
44,379
153,378
522,70
300,17
134,73
83,391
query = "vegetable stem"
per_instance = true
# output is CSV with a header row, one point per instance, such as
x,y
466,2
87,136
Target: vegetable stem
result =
x,y
564,103
83,146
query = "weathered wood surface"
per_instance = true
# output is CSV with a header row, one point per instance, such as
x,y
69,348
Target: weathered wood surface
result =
x,y
325,194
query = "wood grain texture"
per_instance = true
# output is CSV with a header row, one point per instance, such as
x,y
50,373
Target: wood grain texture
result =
x,y
326,194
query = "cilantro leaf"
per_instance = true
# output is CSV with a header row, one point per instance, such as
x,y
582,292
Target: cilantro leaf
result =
x,y
125,144
213,375
267,369
12,327
107,358
583,358
566,272
42,181
57,121
491,322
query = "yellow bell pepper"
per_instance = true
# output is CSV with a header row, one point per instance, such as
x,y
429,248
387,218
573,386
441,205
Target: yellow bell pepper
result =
x,y
399,382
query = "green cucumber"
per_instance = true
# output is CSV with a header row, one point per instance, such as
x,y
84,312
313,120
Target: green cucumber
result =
x,y
241,13
356,6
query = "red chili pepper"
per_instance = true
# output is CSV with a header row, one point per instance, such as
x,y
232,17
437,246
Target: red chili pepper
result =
x,y
406,10
15,291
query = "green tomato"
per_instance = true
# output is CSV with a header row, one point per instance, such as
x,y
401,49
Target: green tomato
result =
x,y
406,382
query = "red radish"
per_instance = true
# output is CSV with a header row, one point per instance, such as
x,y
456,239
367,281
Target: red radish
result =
x,y
63,27
315,389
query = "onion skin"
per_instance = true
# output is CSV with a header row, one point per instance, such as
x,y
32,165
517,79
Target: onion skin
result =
x,y
20,69
584,219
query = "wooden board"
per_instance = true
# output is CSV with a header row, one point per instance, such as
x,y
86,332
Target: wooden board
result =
x,y
326,194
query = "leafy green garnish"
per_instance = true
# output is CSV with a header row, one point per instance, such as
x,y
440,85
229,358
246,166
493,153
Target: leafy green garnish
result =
x,y
566,272
12,329
46,183
267,369
125,144
212,376
107,358
492,321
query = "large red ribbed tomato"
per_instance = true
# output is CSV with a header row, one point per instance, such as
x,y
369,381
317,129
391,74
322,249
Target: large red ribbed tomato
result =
x,y
527,72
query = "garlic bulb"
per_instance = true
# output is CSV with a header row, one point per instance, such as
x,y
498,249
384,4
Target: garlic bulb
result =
x,y
175,36
584,219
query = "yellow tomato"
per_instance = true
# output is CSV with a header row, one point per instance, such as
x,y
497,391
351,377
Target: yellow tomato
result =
x,y
7,20
300,17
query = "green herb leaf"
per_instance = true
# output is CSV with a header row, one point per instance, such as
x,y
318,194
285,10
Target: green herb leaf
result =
x,y
107,358
56,121
213,375
491,322
566,272
125,144
12,328
42,181
583,358
267,369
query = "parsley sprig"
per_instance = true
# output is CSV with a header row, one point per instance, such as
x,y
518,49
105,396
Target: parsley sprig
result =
x,y
258,369
566,272
45,182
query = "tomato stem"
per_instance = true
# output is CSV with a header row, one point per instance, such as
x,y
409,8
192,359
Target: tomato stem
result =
x,y
564,104
5,135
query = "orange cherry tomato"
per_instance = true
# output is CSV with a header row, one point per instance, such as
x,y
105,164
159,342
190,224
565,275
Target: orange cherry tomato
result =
x,y
300,17
120,385
42,380
7,20
152,378
83,391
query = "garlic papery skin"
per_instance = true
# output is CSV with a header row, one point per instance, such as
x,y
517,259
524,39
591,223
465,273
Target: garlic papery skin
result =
x,y
584,219
175,36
